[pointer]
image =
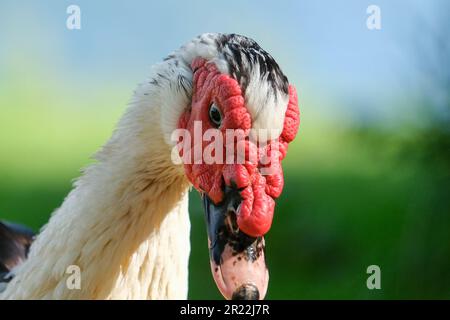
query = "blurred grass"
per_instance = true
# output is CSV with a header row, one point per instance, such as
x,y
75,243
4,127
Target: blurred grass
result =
x,y
353,196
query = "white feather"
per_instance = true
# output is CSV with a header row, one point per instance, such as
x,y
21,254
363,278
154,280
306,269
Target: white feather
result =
x,y
125,223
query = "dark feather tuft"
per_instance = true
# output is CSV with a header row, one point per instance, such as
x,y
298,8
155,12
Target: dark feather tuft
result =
x,y
243,54
15,242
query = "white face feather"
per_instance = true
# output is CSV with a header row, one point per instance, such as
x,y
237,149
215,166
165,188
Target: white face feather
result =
x,y
266,108
265,87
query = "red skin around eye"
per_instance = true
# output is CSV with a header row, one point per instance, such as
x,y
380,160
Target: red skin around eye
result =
x,y
257,191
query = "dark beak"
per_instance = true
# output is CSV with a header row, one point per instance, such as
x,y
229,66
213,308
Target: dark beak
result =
x,y
237,260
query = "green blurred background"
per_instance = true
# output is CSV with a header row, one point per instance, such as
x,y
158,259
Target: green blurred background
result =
x,y
367,179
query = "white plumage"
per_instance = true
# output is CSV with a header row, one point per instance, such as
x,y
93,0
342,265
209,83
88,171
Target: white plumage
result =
x,y
125,223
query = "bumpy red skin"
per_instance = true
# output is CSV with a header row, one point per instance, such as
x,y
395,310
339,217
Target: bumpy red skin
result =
x,y
257,191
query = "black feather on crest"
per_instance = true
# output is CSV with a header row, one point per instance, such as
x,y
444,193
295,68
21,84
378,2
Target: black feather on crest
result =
x,y
243,54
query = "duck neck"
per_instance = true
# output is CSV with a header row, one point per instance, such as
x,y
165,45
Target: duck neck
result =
x,y
124,226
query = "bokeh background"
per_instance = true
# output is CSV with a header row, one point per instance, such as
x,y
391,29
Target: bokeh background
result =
x,y
367,179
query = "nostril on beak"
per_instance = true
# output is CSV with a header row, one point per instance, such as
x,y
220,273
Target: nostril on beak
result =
x,y
233,197
247,291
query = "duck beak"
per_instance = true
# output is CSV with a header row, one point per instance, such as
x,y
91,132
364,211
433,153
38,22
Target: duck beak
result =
x,y
237,260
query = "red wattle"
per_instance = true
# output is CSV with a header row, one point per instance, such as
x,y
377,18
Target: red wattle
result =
x,y
258,191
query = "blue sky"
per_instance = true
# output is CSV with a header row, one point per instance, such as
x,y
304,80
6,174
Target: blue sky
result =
x,y
324,47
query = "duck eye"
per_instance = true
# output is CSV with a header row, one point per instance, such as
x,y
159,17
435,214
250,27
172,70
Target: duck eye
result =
x,y
215,115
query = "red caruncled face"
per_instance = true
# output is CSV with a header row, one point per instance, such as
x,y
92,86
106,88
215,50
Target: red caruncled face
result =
x,y
257,191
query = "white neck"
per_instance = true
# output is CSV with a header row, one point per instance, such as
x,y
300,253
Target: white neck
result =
x,y
125,224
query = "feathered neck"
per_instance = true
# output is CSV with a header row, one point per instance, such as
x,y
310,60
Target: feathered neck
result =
x,y
125,224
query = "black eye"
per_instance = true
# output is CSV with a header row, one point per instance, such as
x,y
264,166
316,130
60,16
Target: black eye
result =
x,y
214,115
